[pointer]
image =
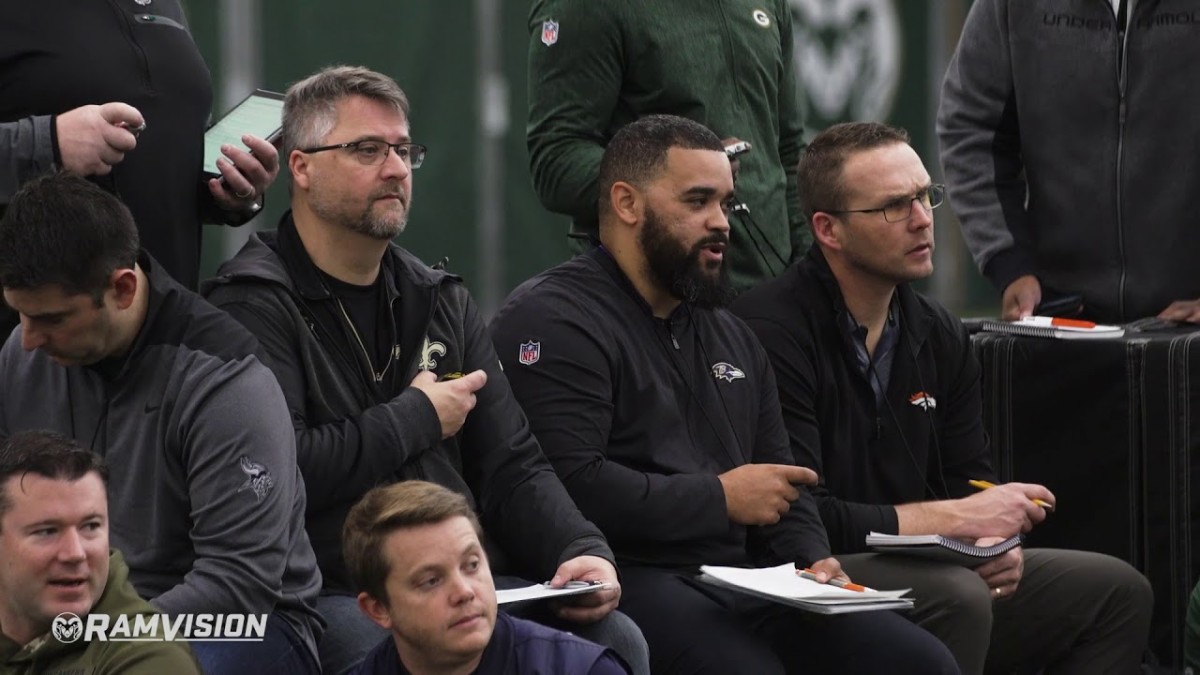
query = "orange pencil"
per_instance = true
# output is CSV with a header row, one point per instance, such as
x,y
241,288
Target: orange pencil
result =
x,y
812,576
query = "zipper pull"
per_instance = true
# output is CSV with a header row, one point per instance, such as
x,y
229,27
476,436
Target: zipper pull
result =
x,y
671,333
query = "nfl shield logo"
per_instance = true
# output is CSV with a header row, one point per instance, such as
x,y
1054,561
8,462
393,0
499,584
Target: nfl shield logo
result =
x,y
530,353
549,35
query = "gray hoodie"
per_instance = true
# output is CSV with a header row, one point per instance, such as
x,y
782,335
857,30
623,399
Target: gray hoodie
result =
x,y
1072,148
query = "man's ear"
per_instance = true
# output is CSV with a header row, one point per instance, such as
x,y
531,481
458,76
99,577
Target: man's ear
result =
x,y
824,227
123,283
375,610
626,202
298,165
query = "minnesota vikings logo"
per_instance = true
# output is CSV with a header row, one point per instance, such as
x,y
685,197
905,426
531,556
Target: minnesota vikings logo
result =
x,y
258,478
727,372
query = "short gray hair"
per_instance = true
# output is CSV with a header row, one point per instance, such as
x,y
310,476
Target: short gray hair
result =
x,y
310,106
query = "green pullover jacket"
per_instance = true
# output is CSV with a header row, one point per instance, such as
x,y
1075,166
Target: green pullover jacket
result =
x,y
47,655
597,66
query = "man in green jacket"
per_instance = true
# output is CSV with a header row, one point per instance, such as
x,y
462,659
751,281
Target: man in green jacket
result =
x,y
58,568
596,66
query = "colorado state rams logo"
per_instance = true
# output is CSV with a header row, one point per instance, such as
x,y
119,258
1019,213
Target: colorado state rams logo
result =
x,y
847,57
67,627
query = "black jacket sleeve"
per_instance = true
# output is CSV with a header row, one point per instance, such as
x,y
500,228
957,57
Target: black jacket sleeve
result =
x,y
340,459
799,536
962,445
522,500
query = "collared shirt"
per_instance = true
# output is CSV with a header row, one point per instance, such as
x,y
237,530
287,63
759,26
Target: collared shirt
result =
x,y
878,368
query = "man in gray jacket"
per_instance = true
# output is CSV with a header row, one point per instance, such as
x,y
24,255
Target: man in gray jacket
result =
x,y
206,500
1071,147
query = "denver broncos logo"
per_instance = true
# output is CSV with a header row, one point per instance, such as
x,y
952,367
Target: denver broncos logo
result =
x,y
923,401
727,372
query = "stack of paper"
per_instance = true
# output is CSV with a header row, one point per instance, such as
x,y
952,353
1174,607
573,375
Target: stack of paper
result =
x,y
782,584
540,591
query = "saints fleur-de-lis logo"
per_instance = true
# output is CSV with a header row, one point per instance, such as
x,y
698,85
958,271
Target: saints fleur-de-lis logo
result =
x,y
428,351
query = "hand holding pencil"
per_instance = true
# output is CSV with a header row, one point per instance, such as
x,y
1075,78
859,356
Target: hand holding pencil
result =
x,y
985,485
999,510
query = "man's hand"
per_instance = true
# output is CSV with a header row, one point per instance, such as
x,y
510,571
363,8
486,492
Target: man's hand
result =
x,y
1021,296
1002,511
758,494
92,138
1182,310
587,607
1004,573
829,568
247,175
452,399
734,162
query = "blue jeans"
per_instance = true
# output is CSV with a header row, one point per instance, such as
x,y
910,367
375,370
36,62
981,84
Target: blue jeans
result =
x,y
281,652
349,635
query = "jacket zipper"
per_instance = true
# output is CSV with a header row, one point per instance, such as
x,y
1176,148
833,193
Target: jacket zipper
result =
x,y
125,20
377,374
1122,72
671,333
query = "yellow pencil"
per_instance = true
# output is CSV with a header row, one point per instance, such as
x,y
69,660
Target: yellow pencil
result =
x,y
985,485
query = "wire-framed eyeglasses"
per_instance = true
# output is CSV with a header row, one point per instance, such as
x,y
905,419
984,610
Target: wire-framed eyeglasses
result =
x,y
900,209
374,153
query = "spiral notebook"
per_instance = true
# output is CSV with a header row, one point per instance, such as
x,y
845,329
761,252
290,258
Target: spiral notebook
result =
x,y
937,547
1054,327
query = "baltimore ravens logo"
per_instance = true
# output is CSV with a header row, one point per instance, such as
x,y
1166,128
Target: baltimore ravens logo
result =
x,y
727,372
923,401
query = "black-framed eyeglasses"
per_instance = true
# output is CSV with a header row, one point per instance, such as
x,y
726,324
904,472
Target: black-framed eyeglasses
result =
x,y
374,153
900,210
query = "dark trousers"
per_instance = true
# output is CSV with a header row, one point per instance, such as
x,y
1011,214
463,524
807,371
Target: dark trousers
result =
x,y
281,652
694,628
1073,612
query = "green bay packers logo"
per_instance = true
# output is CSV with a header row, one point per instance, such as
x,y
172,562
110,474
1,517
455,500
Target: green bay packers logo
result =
x,y
847,55
428,351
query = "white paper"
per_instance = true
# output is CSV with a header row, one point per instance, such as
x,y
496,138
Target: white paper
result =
x,y
783,582
539,591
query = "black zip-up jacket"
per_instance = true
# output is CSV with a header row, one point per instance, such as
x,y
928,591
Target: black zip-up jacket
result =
x,y
57,55
353,433
639,415
869,457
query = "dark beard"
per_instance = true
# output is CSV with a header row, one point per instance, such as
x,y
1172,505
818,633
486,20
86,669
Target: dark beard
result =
x,y
680,271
